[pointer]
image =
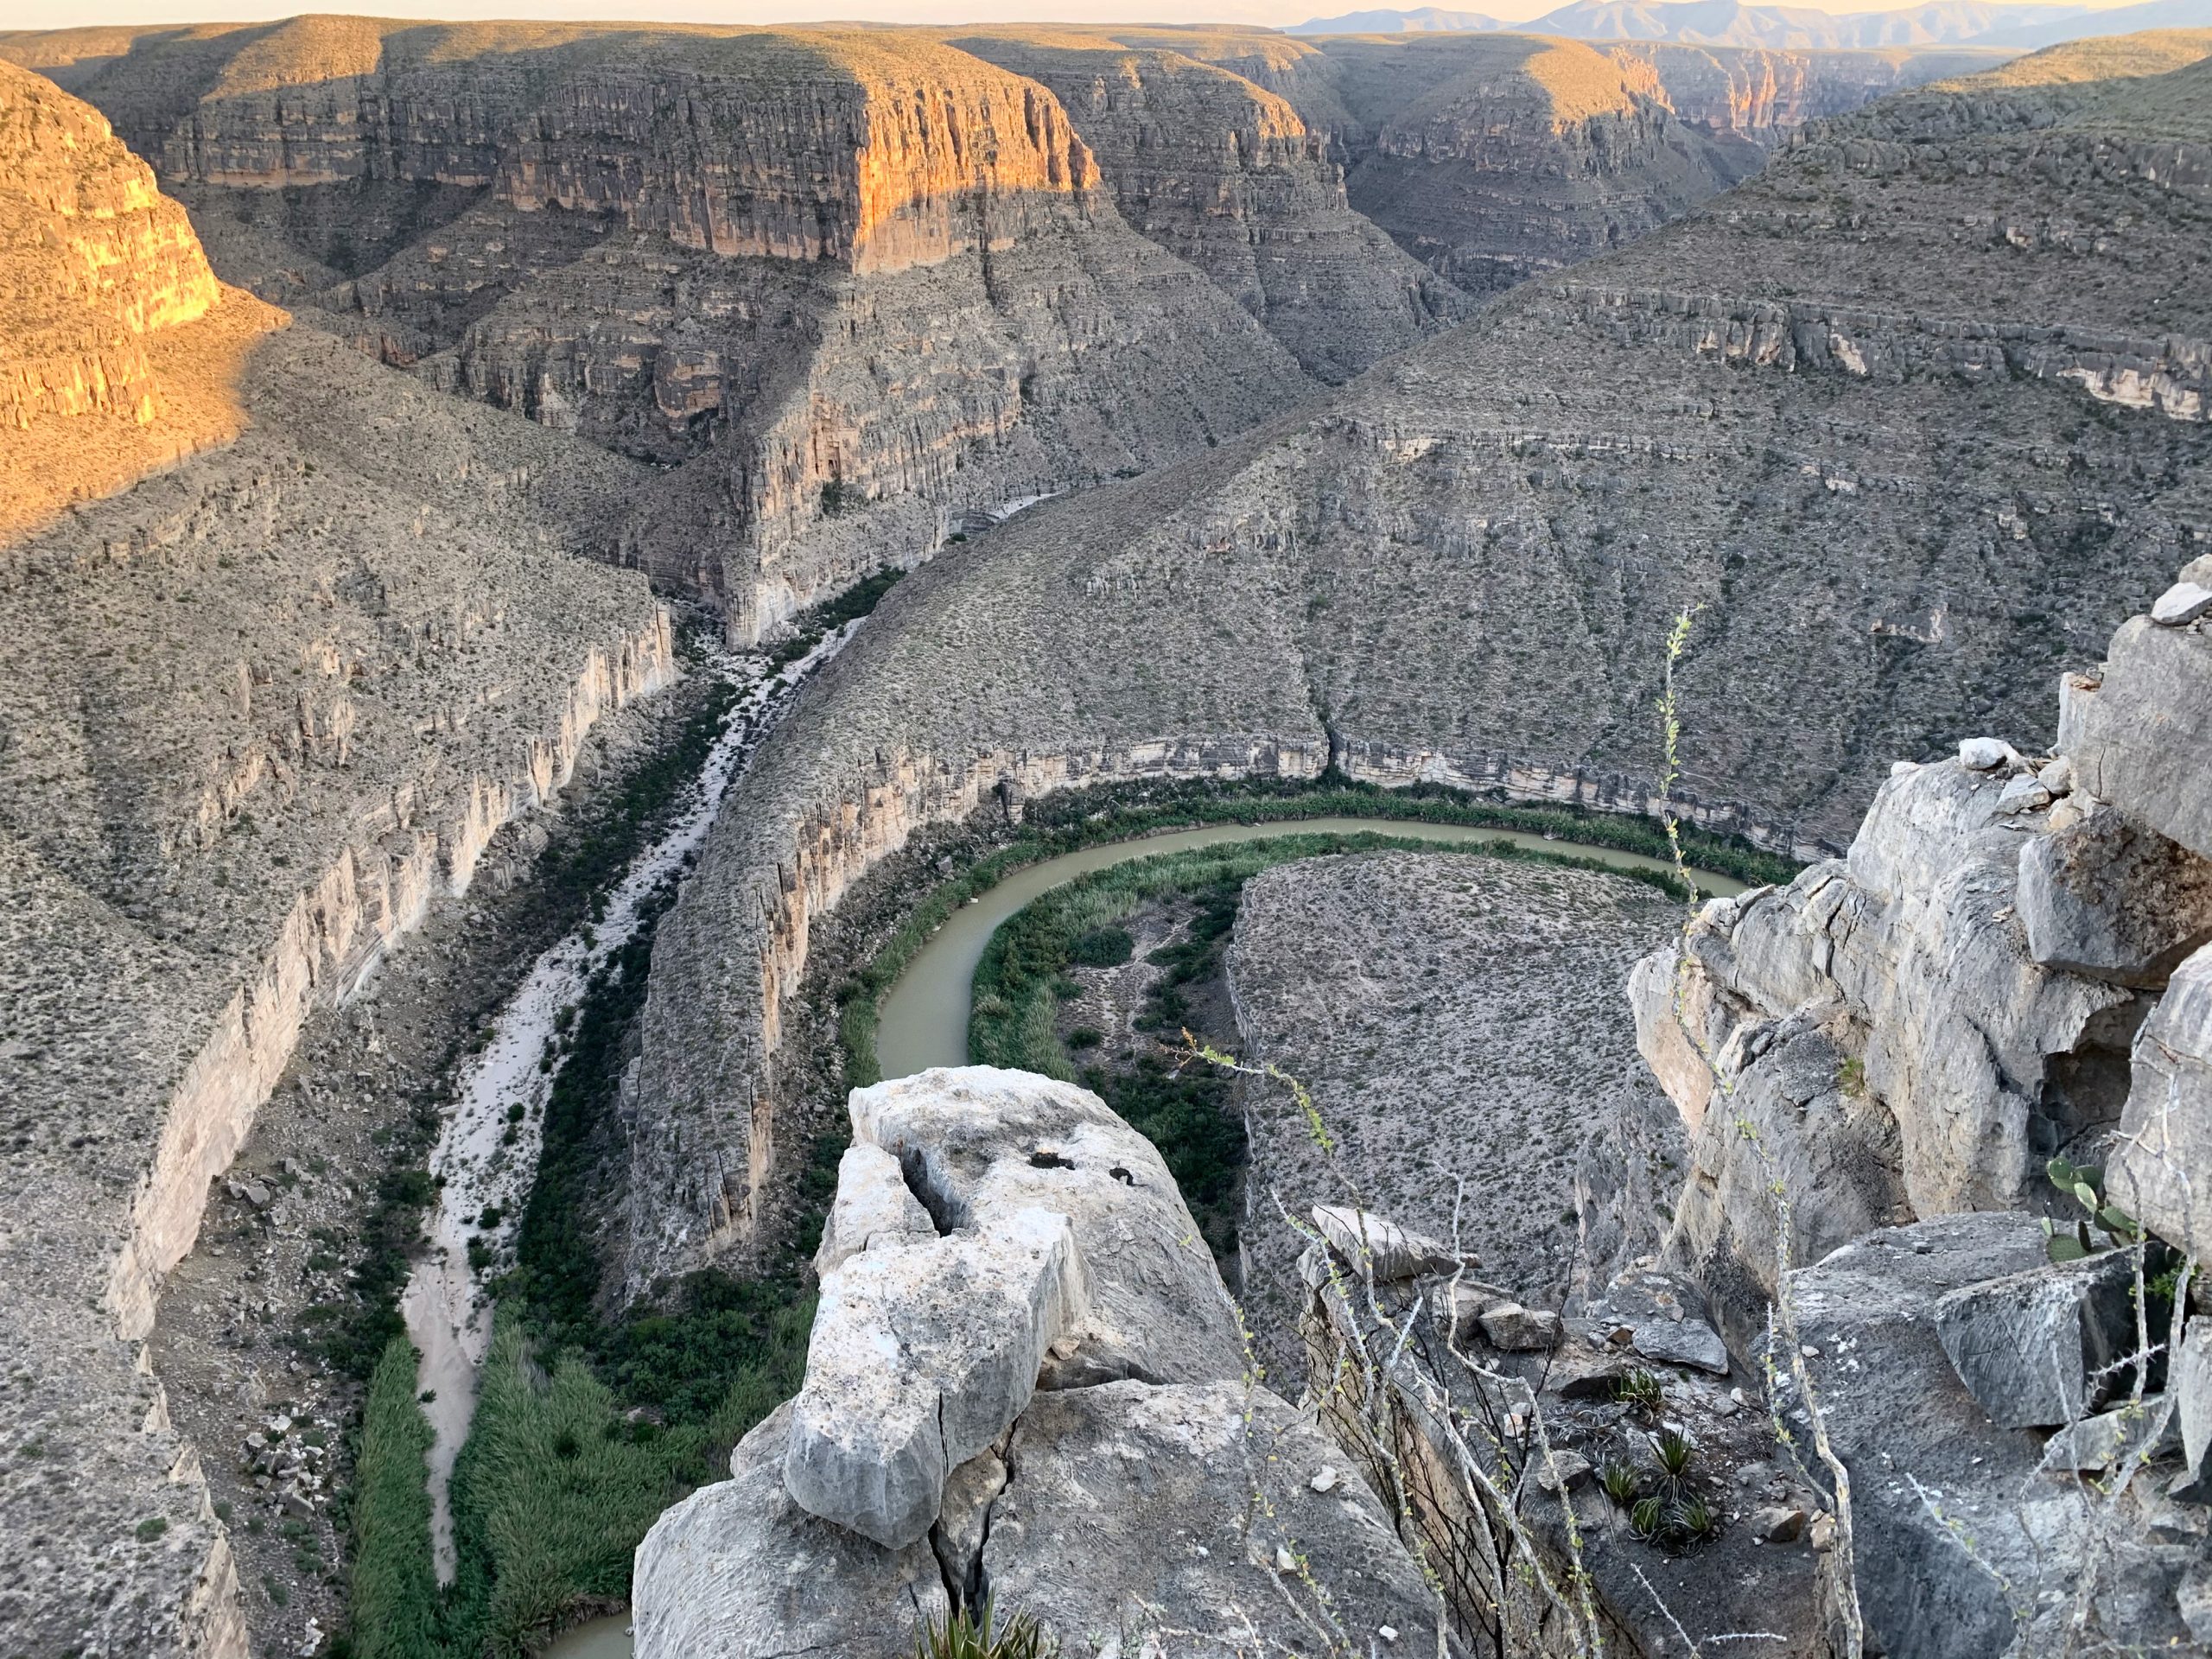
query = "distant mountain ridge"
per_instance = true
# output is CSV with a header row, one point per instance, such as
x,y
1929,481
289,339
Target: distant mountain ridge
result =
x,y
1727,23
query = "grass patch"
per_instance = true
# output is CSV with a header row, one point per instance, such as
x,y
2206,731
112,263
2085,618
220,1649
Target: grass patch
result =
x,y
395,1603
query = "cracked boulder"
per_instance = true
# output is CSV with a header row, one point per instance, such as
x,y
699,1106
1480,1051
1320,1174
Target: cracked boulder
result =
x,y
873,1204
1966,1545
922,1469
2161,1172
922,1354
975,1142
2109,897
1162,1520
739,1568
2035,1348
1396,1253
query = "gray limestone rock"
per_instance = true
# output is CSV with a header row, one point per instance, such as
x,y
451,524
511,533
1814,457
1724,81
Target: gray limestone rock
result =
x,y
922,1354
2093,1445
1524,1330
2033,1347
1126,1520
872,1201
2180,605
1986,754
975,1142
2139,731
1393,1252
2188,1379
738,1570
1965,1546
2161,1172
2113,899
1666,1315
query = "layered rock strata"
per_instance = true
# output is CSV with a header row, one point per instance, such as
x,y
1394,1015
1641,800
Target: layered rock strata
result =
x,y
265,709
1127,1486
1465,567
1518,154
101,281
856,286
1227,176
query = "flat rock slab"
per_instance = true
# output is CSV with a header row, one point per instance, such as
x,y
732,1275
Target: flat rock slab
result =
x,y
2115,899
1126,1523
740,1571
2033,1348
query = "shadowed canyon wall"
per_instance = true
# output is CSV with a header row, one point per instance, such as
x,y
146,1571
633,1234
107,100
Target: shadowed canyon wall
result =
x,y
1905,450
263,709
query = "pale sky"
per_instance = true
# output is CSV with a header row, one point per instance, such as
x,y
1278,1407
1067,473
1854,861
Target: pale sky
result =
x,y
70,14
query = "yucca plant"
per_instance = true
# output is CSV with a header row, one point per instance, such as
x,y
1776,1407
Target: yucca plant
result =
x,y
1640,1390
964,1636
1620,1481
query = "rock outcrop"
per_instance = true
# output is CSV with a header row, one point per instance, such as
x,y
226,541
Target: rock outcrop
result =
x,y
1124,1485
101,280
1918,1028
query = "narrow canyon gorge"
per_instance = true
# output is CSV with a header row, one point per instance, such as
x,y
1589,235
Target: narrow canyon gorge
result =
x,y
700,506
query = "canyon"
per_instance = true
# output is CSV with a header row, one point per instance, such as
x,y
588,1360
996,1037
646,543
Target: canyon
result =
x,y
393,410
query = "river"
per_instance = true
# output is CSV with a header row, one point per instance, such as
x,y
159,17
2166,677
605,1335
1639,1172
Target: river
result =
x,y
924,1019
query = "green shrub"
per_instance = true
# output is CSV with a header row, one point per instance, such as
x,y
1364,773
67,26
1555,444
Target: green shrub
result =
x,y
964,1636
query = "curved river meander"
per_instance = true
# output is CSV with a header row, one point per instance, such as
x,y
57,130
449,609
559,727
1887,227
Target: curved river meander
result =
x,y
924,1019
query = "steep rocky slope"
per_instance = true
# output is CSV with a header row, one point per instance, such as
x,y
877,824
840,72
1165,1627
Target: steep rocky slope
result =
x,y
1460,1022
1227,177
263,710
1492,158
1464,566
2008,967
116,339
856,286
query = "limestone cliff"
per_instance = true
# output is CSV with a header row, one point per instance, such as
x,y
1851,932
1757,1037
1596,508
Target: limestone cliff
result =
x,y
1518,154
264,711
95,266
1227,176
1463,568
858,286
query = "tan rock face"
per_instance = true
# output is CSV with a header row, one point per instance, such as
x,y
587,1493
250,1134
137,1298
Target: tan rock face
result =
x,y
112,359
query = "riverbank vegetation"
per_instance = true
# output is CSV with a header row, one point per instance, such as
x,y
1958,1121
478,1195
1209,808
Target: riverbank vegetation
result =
x,y
1024,978
1076,819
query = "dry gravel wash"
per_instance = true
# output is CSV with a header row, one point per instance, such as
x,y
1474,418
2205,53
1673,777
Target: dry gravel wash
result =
x,y
1911,444
262,712
1463,1026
